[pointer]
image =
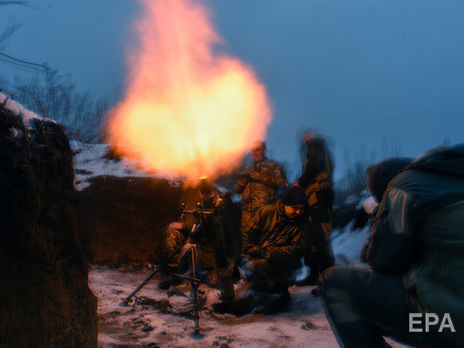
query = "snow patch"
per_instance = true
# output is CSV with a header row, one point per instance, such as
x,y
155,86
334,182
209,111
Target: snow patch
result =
x,y
27,116
91,160
347,244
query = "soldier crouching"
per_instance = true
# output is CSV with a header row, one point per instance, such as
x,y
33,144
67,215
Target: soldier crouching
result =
x,y
201,226
272,249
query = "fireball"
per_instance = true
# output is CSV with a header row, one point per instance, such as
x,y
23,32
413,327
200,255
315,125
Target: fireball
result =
x,y
188,109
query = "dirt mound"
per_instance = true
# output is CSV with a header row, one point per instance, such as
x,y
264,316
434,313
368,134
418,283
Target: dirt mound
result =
x,y
123,219
44,295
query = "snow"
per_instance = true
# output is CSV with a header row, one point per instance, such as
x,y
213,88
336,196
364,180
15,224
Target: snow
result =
x,y
156,320
144,324
16,108
90,161
348,244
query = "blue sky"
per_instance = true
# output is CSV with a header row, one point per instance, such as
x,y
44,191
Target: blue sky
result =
x,y
364,72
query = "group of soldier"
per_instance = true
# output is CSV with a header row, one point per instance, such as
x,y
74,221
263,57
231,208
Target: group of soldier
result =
x,y
414,256
275,234
296,225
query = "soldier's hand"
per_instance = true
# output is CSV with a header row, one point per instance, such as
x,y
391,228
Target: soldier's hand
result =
x,y
255,176
175,226
370,205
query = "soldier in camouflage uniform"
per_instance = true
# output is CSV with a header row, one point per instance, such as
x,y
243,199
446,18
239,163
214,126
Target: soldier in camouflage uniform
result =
x,y
178,233
212,240
258,183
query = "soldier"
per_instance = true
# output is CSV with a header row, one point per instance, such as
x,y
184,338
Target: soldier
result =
x,y
178,233
272,248
416,252
258,183
316,180
206,207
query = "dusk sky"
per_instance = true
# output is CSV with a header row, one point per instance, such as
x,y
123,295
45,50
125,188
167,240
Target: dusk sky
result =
x,y
363,72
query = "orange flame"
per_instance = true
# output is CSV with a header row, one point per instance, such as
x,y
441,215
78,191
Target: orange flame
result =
x,y
188,111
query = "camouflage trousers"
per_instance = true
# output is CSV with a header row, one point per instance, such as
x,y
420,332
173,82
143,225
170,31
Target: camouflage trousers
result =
x,y
175,240
246,219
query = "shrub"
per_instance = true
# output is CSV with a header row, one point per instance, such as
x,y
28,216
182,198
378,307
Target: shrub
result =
x,y
54,96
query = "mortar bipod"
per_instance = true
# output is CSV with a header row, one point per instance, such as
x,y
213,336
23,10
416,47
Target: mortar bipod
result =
x,y
195,283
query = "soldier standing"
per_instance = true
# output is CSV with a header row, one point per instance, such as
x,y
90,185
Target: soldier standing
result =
x,y
258,183
316,180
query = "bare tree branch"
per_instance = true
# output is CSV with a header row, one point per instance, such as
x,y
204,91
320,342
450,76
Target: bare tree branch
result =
x,y
20,63
16,62
8,32
54,96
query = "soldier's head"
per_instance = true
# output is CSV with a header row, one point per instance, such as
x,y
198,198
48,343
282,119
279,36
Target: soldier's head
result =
x,y
258,151
380,174
207,193
294,202
309,135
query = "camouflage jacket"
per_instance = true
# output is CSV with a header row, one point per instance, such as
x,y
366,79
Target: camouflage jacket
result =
x,y
275,237
256,194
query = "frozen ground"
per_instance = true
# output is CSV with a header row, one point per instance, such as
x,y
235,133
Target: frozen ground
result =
x,y
155,320
166,322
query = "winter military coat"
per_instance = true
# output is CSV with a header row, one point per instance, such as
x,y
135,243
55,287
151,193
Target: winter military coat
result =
x,y
275,237
257,194
418,234
317,172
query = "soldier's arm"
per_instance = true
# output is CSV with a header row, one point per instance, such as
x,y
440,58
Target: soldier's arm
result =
x,y
391,246
290,252
243,180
